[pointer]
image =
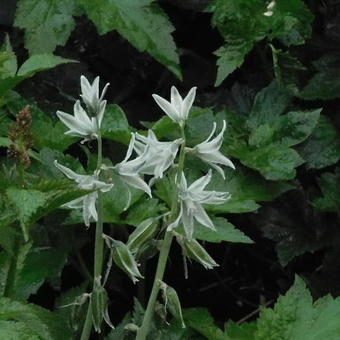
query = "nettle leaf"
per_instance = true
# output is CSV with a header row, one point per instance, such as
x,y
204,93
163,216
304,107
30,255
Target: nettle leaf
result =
x,y
245,331
44,324
201,320
11,330
225,231
143,23
115,125
325,83
295,316
330,187
47,23
322,148
242,24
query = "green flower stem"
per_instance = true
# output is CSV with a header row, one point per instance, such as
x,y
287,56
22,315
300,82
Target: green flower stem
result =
x,y
164,253
99,244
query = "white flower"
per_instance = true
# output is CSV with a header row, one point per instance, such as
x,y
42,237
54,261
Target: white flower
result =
x,y
158,156
178,109
209,152
90,95
88,202
128,170
191,199
80,125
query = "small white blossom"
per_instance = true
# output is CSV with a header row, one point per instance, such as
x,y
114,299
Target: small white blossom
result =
x,y
209,152
128,170
178,108
269,12
80,125
191,199
158,156
88,202
90,95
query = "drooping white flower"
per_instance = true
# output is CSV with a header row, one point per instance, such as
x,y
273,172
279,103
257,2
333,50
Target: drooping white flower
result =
x,y
178,108
158,156
80,125
90,95
88,202
209,152
191,199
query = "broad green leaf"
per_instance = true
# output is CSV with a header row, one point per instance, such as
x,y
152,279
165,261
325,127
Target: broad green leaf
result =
x,y
11,330
244,331
115,125
225,231
201,320
296,317
322,148
242,24
230,57
47,23
325,83
294,127
41,322
41,62
143,23
8,60
330,187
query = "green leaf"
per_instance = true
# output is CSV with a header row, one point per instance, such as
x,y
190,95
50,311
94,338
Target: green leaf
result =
x,y
330,186
296,317
244,331
325,83
143,209
322,148
11,330
41,62
294,127
47,23
115,125
201,320
230,57
225,231
44,324
143,23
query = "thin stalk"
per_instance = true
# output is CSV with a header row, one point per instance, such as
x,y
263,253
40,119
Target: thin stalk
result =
x,y
10,280
99,242
164,253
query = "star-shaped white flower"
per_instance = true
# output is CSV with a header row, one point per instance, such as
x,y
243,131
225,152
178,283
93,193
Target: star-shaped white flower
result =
x,y
88,202
209,152
90,95
178,108
158,156
191,199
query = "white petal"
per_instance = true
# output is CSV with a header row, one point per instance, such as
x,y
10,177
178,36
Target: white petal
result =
x,y
73,124
136,182
175,223
80,114
68,172
176,99
200,184
187,102
167,107
202,217
188,222
216,157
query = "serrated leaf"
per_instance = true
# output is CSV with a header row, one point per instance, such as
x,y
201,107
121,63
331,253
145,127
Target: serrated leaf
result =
x,y
296,317
11,330
41,62
330,187
201,320
225,231
230,57
143,23
322,148
47,23
45,324
243,331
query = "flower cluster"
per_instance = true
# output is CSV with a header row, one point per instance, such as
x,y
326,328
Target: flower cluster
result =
x,y
152,158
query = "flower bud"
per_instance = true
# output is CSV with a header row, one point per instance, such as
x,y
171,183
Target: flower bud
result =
x,y
141,234
171,301
196,252
123,258
99,301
